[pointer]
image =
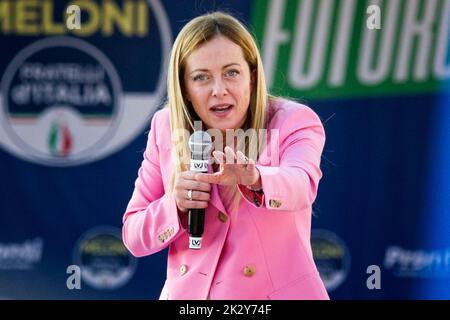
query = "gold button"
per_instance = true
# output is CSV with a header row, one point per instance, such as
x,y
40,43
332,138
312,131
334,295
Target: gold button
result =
x,y
222,216
183,269
274,203
249,271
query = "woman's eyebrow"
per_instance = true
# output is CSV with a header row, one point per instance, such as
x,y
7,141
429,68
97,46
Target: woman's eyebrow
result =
x,y
231,64
224,67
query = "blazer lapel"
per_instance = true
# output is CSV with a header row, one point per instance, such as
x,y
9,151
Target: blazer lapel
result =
x,y
215,199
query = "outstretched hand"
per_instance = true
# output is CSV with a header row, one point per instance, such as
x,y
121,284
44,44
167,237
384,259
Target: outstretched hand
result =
x,y
235,168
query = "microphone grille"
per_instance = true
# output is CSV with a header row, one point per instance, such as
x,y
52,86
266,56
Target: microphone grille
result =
x,y
200,144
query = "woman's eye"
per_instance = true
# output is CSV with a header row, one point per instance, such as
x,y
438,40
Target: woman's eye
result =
x,y
232,73
200,77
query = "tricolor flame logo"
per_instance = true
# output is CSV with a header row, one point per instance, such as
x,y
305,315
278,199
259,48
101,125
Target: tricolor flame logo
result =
x,y
60,140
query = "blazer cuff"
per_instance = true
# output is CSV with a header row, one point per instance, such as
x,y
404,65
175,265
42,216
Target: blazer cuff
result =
x,y
273,197
172,226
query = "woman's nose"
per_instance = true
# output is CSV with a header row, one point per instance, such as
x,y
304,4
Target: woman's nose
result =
x,y
219,88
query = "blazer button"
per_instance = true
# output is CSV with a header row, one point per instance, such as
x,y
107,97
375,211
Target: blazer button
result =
x,y
183,269
249,270
222,217
274,203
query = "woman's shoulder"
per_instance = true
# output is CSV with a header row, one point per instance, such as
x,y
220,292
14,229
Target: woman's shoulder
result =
x,y
161,119
160,125
282,110
162,114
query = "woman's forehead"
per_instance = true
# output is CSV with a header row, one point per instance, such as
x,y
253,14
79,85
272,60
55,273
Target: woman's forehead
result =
x,y
215,53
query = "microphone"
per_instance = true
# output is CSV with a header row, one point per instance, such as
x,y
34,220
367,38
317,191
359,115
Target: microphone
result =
x,y
200,144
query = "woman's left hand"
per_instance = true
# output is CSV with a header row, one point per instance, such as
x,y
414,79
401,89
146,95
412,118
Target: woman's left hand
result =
x,y
235,168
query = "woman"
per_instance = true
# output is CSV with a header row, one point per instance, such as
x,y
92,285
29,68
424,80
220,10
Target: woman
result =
x,y
256,242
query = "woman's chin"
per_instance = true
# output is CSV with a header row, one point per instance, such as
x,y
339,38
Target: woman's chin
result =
x,y
221,125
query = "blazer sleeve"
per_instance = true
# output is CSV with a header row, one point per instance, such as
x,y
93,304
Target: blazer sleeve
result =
x,y
293,184
151,219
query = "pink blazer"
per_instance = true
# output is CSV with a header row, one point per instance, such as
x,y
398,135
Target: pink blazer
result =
x,y
256,253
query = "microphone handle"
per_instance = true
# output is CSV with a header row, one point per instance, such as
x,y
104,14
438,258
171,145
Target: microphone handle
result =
x,y
196,222
196,217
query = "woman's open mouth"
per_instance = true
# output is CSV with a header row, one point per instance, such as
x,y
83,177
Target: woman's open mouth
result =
x,y
221,110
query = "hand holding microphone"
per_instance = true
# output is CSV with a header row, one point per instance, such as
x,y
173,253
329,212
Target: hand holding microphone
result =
x,y
191,195
192,187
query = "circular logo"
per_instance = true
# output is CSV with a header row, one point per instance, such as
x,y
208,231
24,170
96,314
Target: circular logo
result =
x,y
331,256
62,102
104,261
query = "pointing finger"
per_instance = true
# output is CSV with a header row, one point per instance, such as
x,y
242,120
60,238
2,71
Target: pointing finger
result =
x,y
230,156
241,158
219,156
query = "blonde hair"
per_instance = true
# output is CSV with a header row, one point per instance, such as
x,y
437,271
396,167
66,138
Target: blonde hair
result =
x,y
182,115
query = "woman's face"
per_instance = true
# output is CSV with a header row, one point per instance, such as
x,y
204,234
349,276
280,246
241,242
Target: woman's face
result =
x,y
217,81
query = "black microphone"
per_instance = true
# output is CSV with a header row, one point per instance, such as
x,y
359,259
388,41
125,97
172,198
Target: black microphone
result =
x,y
200,144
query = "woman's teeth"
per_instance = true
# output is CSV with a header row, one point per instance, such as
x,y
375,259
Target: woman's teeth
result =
x,y
221,108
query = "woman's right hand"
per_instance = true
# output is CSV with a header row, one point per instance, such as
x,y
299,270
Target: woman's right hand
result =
x,y
200,192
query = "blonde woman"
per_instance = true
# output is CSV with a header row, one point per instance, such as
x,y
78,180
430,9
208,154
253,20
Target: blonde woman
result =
x,y
260,186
